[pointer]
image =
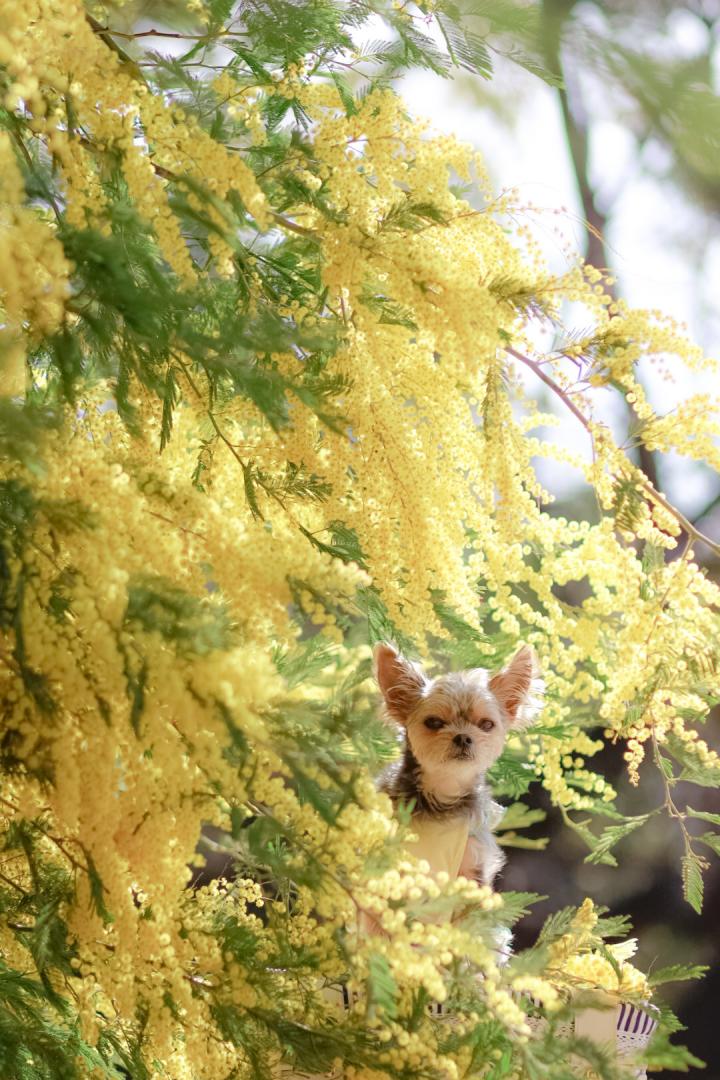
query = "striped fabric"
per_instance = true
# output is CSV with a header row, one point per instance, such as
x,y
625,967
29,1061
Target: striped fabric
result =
x,y
633,1019
634,1026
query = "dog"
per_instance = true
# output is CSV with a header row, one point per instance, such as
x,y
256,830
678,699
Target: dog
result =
x,y
454,728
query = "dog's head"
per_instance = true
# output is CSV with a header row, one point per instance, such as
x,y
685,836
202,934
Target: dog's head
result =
x,y
456,724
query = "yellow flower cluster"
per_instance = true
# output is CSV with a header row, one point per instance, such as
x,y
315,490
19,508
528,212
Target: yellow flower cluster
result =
x,y
595,971
133,802
34,273
115,111
578,935
575,964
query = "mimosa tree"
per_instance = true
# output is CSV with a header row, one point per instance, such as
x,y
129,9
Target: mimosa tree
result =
x,y
270,352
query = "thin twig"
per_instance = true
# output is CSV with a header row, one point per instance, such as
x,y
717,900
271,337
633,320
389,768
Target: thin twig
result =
x,y
14,885
293,226
169,34
166,174
58,843
245,466
182,528
650,491
555,387
671,806
105,35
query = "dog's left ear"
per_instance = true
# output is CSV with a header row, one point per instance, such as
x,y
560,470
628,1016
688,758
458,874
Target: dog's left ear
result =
x,y
517,688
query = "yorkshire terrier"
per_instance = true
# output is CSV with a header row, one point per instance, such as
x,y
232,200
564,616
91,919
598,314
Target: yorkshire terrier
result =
x,y
454,728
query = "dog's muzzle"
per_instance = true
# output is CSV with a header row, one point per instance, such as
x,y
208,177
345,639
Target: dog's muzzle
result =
x,y
462,747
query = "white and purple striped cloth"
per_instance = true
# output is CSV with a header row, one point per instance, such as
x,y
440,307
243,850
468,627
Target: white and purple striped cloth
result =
x,y
632,1022
628,1027
636,1021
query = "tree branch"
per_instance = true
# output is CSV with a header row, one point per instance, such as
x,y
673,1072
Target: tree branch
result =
x,y
650,490
105,34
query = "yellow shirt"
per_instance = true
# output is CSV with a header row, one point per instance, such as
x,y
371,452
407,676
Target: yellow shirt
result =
x,y
441,842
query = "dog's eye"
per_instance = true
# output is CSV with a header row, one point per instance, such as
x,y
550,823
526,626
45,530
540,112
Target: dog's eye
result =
x,y
486,725
434,723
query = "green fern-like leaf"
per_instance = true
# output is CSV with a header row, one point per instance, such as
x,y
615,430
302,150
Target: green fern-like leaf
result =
x,y
692,867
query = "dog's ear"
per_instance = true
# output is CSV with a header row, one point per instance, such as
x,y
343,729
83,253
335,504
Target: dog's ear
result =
x,y
401,682
518,688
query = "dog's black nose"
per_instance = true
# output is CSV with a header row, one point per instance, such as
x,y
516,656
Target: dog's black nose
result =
x,y
463,741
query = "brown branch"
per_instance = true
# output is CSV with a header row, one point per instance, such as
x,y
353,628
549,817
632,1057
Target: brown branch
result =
x,y
650,490
555,387
555,16
14,885
167,34
182,528
56,840
293,226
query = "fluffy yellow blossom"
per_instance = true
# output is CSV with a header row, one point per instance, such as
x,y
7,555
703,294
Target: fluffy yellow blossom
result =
x,y
595,971
34,271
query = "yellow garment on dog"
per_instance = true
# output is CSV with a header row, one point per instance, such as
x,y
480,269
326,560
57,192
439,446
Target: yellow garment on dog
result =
x,y
441,842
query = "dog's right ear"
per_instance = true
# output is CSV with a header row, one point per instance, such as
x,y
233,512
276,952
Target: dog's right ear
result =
x,y
401,682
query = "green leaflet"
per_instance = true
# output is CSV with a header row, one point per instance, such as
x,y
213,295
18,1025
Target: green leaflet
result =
x,y
662,1054
703,815
611,835
711,840
692,881
510,775
381,987
692,766
191,625
676,973
519,816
